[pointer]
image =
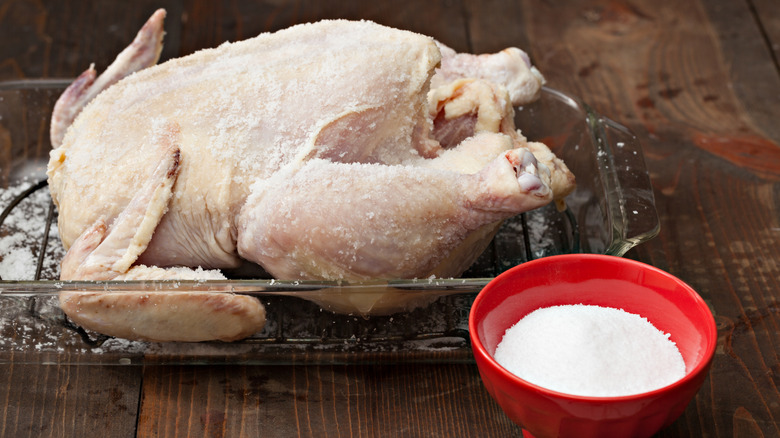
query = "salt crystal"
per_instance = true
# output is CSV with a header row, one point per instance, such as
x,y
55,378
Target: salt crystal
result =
x,y
590,351
21,233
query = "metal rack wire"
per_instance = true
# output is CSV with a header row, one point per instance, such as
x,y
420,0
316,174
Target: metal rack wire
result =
x,y
49,218
446,318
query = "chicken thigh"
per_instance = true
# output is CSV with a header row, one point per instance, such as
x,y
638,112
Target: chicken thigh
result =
x,y
318,152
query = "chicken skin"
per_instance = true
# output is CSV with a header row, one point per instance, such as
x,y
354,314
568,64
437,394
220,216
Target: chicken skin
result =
x,y
338,150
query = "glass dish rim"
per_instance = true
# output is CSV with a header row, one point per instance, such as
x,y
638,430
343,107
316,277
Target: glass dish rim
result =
x,y
619,245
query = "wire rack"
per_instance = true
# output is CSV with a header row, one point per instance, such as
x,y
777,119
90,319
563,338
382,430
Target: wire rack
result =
x,y
41,250
296,329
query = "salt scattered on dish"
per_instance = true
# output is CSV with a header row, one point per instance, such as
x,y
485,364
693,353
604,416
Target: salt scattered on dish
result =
x,y
590,350
22,231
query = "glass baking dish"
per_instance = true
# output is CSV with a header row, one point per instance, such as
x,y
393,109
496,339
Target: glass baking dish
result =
x,y
611,211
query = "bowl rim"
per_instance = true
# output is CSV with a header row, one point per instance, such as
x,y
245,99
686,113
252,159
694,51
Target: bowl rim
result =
x,y
711,329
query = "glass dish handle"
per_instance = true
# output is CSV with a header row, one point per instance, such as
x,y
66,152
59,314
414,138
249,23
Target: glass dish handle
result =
x,y
633,191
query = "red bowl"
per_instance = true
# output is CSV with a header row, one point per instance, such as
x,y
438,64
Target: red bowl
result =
x,y
666,301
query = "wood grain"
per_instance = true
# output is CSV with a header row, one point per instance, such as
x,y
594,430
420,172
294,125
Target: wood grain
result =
x,y
697,81
767,16
683,76
40,400
319,401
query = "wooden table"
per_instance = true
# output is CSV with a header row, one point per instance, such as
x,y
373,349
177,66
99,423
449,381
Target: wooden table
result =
x,y
698,81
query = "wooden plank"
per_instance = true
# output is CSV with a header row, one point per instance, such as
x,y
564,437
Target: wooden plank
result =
x,y
63,38
746,34
319,401
496,24
767,16
208,24
68,400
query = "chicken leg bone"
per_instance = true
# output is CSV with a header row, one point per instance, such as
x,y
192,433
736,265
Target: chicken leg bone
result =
x,y
510,68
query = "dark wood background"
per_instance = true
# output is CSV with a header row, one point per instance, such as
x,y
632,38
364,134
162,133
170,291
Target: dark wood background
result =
x,y
697,80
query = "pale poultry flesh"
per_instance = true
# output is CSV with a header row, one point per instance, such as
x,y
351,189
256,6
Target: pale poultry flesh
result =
x,y
338,150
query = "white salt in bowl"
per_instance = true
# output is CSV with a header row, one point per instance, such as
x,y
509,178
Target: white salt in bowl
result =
x,y
665,301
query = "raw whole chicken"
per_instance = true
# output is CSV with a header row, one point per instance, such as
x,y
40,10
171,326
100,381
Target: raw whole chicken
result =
x,y
338,150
